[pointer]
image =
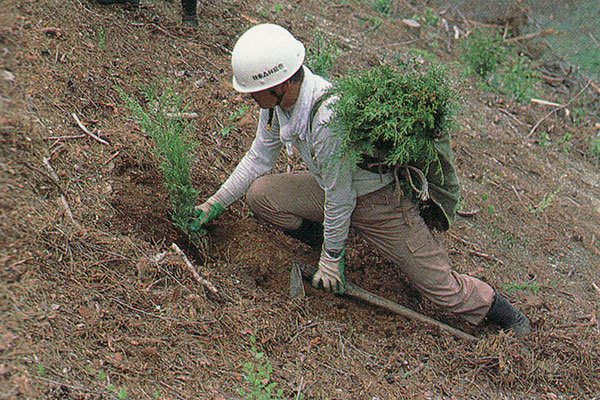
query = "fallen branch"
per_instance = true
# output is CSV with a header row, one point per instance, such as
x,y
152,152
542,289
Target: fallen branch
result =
x,y
594,86
558,108
544,33
111,158
357,292
545,102
596,287
475,251
512,116
64,137
467,214
192,269
184,115
86,130
63,199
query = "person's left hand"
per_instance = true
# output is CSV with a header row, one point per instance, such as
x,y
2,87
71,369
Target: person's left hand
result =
x,y
205,213
331,272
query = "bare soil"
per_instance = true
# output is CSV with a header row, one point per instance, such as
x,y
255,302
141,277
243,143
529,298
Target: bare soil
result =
x,y
97,304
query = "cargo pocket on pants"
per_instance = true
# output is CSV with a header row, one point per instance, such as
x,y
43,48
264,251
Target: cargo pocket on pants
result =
x,y
423,245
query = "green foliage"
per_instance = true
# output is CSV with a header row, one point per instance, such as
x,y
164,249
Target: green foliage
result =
x,y
429,18
41,370
321,55
382,6
545,203
122,395
516,78
532,286
482,53
595,147
416,53
393,115
258,375
102,39
239,113
501,66
174,147
372,21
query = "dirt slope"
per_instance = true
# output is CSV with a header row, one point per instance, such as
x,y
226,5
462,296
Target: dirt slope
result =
x,y
97,306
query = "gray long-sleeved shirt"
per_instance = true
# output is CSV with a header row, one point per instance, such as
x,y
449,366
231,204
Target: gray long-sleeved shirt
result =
x,y
341,182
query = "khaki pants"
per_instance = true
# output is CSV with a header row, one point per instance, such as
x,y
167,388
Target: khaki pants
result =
x,y
391,224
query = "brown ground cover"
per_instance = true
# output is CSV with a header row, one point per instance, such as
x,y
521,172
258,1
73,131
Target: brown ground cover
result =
x,y
96,303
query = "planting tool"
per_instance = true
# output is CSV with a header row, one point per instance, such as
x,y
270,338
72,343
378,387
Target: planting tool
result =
x,y
359,293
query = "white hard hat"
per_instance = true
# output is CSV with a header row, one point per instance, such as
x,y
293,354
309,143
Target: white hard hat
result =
x,y
265,56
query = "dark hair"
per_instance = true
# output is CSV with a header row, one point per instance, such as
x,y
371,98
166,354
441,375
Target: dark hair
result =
x,y
298,76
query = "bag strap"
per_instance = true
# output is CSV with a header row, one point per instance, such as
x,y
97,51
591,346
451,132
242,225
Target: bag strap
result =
x,y
313,111
315,108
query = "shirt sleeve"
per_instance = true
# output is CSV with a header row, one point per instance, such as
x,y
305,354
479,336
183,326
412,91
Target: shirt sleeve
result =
x,y
337,175
257,161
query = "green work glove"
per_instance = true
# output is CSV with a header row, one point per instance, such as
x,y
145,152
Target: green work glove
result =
x,y
204,213
331,272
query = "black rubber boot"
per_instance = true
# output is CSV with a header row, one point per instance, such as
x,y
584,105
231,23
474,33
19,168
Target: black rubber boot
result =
x,y
505,315
189,13
310,233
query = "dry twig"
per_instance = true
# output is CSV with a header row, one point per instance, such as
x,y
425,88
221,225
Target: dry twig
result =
x,y
475,251
546,102
192,269
63,199
544,33
86,130
596,287
184,115
63,137
558,108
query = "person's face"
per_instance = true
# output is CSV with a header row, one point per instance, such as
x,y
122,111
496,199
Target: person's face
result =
x,y
269,98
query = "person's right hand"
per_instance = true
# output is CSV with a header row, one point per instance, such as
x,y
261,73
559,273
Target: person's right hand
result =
x,y
205,213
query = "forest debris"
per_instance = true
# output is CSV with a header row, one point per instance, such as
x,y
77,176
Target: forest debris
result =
x,y
545,102
411,23
63,199
475,251
467,213
192,269
596,287
184,115
544,33
357,292
558,108
595,86
111,158
64,137
52,31
91,134
8,76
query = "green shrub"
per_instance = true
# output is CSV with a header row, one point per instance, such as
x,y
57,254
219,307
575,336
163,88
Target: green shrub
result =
x,y
258,375
321,55
383,6
501,66
393,115
429,18
483,53
174,147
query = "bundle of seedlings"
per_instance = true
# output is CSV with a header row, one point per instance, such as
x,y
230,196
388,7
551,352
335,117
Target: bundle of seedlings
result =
x,y
397,119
